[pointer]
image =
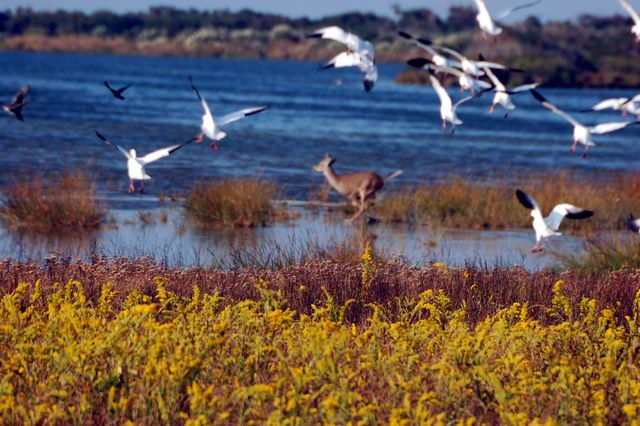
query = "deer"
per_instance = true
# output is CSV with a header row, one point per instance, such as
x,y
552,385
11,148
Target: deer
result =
x,y
360,188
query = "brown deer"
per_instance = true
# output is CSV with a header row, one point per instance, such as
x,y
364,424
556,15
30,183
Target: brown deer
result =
x,y
359,188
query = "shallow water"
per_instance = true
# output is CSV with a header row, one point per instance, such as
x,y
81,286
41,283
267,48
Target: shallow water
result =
x,y
393,127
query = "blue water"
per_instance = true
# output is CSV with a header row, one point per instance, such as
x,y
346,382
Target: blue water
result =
x,y
392,127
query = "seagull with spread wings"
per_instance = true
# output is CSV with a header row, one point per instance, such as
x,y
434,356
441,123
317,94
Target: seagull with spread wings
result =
x,y
546,227
211,127
486,21
465,81
626,105
581,133
426,45
18,102
136,165
117,93
360,53
635,29
503,95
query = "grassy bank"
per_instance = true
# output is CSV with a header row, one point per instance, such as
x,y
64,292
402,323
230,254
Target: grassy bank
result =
x,y
321,342
491,203
64,202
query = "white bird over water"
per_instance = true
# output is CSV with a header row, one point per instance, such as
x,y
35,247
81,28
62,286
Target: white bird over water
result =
x,y
626,105
581,133
503,95
448,110
465,81
635,29
546,227
471,67
360,53
211,127
135,164
486,22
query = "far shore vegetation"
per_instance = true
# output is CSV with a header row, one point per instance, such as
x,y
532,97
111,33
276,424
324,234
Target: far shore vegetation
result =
x,y
591,51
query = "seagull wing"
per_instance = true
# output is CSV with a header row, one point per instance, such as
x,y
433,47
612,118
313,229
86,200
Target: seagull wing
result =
x,y
161,153
545,103
235,116
612,103
523,88
336,33
453,53
527,201
603,128
509,11
569,211
118,147
494,80
123,89
345,59
487,64
207,118
18,98
482,9
472,97
634,15
424,44
445,99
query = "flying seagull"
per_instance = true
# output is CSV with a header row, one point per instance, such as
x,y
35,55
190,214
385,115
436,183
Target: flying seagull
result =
x,y
548,226
136,165
117,92
486,22
581,133
465,81
447,107
503,95
626,105
635,30
471,67
211,128
426,45
360,53
17,103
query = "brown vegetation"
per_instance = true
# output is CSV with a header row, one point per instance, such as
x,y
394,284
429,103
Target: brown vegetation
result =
x,y
390,284
63,202
232,202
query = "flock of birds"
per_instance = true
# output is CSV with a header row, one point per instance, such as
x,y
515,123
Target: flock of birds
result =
x,y
475,76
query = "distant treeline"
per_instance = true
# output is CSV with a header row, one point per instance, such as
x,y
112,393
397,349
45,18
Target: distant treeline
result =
x,y
590,51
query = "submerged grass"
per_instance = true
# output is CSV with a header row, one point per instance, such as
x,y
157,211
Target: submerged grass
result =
x,y
63,202
491,203
232,203
602,254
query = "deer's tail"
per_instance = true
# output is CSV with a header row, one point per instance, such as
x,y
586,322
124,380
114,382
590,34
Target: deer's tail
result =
x,y
392,175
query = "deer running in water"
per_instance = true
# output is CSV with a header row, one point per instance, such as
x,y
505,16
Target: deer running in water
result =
x,y
359,187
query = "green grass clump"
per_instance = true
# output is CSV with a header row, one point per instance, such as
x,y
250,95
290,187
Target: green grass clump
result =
x,y
605,254
62,202
232,203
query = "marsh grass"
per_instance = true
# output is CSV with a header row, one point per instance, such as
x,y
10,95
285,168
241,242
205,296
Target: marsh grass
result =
x,y
604,254
233,203
64,202
491,203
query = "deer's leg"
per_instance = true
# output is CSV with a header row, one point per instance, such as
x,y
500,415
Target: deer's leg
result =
x,y
361,209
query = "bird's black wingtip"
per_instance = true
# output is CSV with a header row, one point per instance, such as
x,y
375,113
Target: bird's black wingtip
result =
x,y
368,85
418,62
99,135
406,35
584,214
538,96
425,41
314,35
524,199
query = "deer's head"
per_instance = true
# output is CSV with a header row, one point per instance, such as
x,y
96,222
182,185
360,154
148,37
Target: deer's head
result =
x,y
324,164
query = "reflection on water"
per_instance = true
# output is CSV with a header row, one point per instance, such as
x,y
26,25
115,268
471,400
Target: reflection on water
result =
x,y
314,234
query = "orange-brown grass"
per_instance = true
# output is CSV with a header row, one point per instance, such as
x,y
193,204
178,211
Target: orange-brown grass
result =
x,y
232,203
491,203
390,284
63,202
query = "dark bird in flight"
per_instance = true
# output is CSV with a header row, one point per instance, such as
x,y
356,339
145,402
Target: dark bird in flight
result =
x,y
17,103
117,92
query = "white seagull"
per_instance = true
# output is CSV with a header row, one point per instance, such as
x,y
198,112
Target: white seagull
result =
x,y
211,127
471,67
135,165
581,133
503,95
486,22
626,105
438,59
546,227
360,53
635,30
465,81
447,107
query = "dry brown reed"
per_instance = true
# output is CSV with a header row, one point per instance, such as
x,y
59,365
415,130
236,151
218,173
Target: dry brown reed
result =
x,y
232,203
57,203
491,203
393,285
